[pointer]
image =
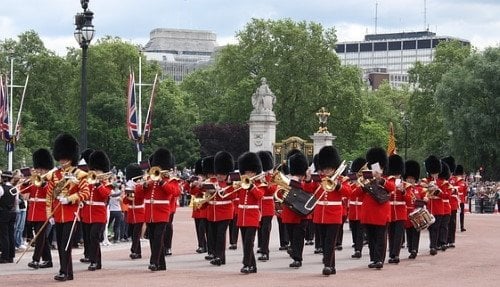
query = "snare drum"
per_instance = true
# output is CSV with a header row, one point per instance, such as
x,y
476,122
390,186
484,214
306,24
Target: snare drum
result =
x,y
421,218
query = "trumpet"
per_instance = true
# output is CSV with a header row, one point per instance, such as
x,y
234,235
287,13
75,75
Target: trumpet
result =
x,y
93,177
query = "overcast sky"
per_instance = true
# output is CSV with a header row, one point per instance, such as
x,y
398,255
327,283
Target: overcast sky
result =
x,y
475,20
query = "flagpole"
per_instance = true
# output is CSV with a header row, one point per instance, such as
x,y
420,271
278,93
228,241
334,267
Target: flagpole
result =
x,y
139,111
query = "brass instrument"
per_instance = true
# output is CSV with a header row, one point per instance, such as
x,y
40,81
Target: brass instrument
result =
x,y
63,183
328,184
155,173
245,183
93,177
35,179
283,183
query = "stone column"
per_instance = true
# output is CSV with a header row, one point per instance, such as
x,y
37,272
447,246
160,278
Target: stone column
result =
x,y
322,139
262,123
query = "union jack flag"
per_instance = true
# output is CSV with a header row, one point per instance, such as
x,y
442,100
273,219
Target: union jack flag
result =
x,y
132,126
4,111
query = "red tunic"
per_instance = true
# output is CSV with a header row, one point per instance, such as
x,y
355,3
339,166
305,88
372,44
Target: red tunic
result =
x,y
37,203
329,207
201,212
95,210
248,209
76,192
461,184
221,208
136,206
355,202
290,216
267,203
375,213
413,192
398,199
454,198
435,203
157,197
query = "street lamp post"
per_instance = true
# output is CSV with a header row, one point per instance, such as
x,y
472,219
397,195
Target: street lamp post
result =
x,y
406,123
84,33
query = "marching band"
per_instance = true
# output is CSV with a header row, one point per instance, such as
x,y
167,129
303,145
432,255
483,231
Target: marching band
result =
x,y
382,196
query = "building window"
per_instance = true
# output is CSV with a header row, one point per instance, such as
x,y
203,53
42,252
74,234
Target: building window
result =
x,y
380,46
424,44
396,45
409,45
365,47
340,48
350,48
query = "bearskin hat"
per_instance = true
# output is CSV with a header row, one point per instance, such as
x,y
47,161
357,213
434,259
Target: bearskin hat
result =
x,y
198,168
86,154
328,157
297,164
43,159
133,170
223,163
315,162
98,160
396,165
284,168
459,170
432,165
377,154
267,160
445,171
207,165
450,161
163,158
357,164
66,147
412,168
249,161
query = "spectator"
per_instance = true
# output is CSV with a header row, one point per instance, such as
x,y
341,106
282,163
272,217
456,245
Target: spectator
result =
x,y
20,205
115,211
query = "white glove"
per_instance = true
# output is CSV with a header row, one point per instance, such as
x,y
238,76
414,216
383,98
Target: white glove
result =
x,y
52,221
63,200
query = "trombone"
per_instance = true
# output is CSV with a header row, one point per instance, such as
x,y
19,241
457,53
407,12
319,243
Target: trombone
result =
x,y
245,182
155,173
93,177
328,184
35,179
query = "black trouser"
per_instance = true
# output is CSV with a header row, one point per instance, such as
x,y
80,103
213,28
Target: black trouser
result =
x,y
357,234
42,247
248,239
434,232
217,234
86,239
63,236
169,232
396,234
310,230
284,238
96,236
233,231
318,244
462,214
297,232
201,231
328,234
452,227
156,243
136,237
377,241
264,234
413,239
7,239
443,230
340,236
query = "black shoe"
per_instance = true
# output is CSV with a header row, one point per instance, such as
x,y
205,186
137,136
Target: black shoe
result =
x,y
283,248
327,271
34,264
234,247
309,242
245,270
94,267
394,260
318,250
433,251
216,262
168,252
264,257
463,230
357,254
209,257
135,256
295,264
153,267
413,255
84,260
3,260
451,245
162,267
46,264
444,247
258,250
371,265
338,247
63,277
201,250
379,265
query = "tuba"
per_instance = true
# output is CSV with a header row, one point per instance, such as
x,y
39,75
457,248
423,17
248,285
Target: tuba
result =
x,y
283,184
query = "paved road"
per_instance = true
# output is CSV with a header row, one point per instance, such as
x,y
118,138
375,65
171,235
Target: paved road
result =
x,y
474,262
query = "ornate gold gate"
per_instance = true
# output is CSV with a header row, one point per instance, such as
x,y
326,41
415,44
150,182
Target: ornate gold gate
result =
x,y
294,142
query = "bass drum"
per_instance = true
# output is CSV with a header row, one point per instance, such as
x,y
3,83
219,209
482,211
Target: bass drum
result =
x,y
421,218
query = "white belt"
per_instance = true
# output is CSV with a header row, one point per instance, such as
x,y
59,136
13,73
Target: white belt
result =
x,y
460,193
37,199
213,202
355,202
398,203
99,203
246,206
136,206
268,197
446,200
158,201
329,202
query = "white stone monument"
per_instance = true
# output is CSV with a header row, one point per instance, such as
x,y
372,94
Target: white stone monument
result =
x,y
262,123
322,137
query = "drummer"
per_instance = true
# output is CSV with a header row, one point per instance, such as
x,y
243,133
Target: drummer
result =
x,y
411,176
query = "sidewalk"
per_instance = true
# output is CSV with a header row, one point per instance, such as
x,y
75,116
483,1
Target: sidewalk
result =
x,y
474,262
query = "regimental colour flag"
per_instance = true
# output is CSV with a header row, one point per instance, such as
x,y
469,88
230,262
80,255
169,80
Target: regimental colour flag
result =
x,y
391,145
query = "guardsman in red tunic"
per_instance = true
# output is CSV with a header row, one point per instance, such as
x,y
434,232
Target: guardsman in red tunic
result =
x,y
433,196
85,228
67,189
398,200
454,201
375,215
135,200
266,206
328,212
461,184
447,190
411,176
94,212
199,213
296,223
158,192
355,203
249,213
220,207
42,163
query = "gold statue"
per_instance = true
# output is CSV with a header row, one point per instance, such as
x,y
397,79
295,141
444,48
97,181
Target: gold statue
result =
x,y
323,118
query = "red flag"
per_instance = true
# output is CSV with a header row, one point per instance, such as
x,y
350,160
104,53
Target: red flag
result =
x,y
391,145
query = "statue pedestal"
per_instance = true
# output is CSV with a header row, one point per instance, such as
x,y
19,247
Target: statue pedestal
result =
x,y
262,126
320,140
